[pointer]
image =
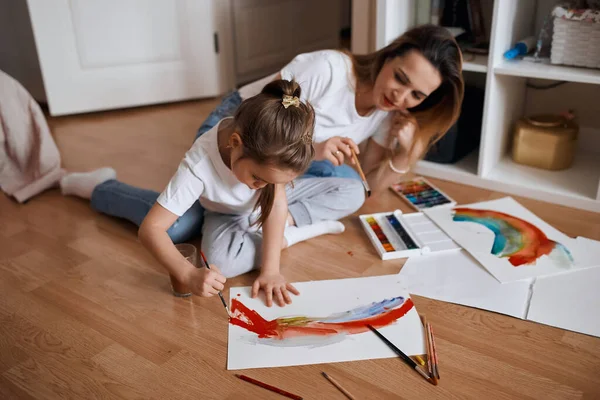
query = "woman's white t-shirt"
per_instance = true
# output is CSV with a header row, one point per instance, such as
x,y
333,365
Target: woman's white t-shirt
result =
x,y
203,175
328,83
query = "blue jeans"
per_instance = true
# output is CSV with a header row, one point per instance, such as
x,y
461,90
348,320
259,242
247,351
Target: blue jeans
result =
x,y
121,200
227,108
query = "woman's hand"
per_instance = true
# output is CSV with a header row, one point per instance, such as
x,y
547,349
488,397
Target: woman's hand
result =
x,y
335,149
205,282
402,133
274,285
403,130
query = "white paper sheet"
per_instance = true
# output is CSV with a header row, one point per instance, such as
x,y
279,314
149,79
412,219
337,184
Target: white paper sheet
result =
x,y
456,277
570,301
519,237
323,299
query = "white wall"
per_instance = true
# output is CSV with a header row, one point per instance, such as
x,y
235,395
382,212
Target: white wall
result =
x,y
393,18
18,55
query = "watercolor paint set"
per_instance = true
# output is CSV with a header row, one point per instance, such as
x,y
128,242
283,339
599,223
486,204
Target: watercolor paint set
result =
x,y
421,194
396,235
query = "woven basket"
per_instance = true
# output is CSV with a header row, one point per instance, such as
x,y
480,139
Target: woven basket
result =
x,y
576,43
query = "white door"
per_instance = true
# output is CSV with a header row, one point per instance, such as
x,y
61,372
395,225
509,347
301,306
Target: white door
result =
x,y
106,54
269,33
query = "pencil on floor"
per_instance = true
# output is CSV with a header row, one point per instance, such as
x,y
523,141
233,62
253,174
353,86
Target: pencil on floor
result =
x,y
338,386
427,345
269,387
436,369
429,348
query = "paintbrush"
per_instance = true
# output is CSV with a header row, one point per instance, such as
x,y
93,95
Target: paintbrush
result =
x,y
361,173
403,356
220,294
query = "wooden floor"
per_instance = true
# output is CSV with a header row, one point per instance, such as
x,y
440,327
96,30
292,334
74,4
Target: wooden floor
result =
x,y
85,313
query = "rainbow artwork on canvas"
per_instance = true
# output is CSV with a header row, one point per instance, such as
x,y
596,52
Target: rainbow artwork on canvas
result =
x,y
302,331
520,241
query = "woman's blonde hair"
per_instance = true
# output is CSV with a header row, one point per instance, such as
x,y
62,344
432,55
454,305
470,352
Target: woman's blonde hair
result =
x,y
276,129
440,110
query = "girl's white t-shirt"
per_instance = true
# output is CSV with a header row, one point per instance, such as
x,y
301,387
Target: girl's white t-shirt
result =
x,y
328,83
202,175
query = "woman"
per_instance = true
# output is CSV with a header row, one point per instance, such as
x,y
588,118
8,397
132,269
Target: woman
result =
x,y
396,101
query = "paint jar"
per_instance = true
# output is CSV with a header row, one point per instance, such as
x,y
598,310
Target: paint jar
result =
x,y
189,252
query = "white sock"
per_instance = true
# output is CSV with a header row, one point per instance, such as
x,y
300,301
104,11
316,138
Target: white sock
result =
x,y
82,184
294,234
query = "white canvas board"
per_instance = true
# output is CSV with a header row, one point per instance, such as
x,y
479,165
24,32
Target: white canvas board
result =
x,y
456,277
520,240
569,301
327,302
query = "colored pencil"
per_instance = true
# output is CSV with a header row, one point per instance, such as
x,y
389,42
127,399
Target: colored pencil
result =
x,y
338,386
361,173
403,356
431,349
436,369
269,387
430,353
427,345
220,294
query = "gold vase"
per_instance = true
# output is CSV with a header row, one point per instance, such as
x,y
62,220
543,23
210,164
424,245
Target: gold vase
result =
x,y
545,141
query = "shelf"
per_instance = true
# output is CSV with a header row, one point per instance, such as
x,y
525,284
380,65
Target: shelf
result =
x,y
478,64
548,71
464,170
578,182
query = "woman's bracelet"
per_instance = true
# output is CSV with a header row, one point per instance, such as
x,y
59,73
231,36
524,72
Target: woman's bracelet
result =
x,y
398,171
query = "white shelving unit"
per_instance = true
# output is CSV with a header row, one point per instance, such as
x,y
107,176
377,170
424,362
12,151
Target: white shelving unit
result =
x,y
464,170
491,167
478,63
548,71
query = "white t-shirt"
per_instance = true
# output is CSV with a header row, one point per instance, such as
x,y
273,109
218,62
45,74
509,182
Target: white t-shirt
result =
x,y
203,175
328,83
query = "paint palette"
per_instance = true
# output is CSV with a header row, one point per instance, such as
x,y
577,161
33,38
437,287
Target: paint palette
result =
x,y
396,235
421,194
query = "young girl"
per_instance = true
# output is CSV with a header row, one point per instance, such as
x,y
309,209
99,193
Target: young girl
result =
x,y
239,171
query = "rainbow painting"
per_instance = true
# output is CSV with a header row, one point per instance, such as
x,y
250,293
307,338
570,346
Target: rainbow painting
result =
x,y
283,330
520,241
326,323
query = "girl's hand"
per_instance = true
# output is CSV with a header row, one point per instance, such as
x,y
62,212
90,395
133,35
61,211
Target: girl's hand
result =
x,y
205,282
335,149
274,285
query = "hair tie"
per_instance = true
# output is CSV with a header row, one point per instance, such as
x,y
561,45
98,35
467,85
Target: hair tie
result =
x,y
290,101
306,139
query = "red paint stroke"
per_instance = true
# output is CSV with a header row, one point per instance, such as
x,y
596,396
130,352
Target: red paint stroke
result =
x,y
284,328
239,294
